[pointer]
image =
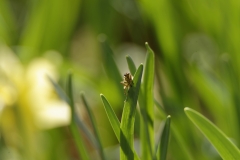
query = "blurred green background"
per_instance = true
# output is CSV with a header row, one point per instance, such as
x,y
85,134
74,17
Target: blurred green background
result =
x,y
196,45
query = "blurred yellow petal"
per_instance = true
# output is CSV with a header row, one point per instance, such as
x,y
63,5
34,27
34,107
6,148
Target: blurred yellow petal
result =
x,y
54,114
11,74
37,73
48,109
10,66
8,94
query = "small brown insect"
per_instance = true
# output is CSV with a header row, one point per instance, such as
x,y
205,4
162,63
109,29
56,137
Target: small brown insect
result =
x,y
127,82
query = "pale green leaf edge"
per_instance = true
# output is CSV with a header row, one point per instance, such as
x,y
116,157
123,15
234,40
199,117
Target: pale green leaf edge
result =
x,y
218,139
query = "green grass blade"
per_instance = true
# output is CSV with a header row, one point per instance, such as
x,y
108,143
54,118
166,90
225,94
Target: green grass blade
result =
x,y
79,142
70,93
61,94
41,30
111,116
113,120
160,108
8,23
163,146
90,114
146,103
73,126
181,144
131,65
219,140
128,118
110,65
146,148
86,131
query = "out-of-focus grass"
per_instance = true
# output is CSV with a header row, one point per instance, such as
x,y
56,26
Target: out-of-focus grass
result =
x,y
223,145
196,64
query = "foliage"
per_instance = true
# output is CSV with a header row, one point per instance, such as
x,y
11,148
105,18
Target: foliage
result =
x,y
195,63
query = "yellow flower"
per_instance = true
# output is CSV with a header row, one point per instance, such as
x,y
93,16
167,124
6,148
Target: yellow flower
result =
x,y
28,102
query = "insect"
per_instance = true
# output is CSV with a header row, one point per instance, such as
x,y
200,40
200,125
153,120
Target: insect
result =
x,y
127,82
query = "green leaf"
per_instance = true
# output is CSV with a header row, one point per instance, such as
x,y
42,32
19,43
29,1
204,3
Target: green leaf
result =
x,y
128,118
113,120
61,94
85,130
8,23
90,114
110,65
70,93
41,30
146,103
181,144
111,68
131,65
79,142
160,108
218,139
111,116
163,146
73,126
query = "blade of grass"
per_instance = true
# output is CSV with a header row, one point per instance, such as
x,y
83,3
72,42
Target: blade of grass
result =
x,y
8,23
69,93
146,103
131,65
111,116
182,146
85,130
110,66
160,108
144,133
114,120
163,146
128,118
73,127
219,140
40,32
132,69
79,142
148,80
61,94
90,114
109,63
